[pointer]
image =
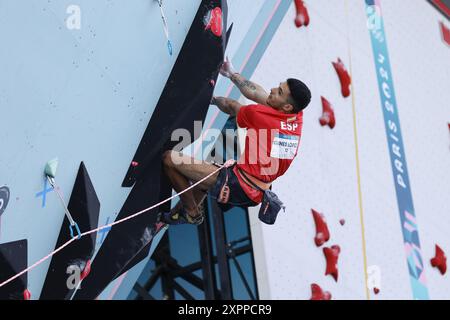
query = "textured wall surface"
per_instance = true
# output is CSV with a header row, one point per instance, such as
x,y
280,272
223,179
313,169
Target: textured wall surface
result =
x,y
82,94
325,174
87,95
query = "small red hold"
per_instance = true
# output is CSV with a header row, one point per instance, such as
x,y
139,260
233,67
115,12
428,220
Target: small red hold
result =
x,y
134,164
26,295
322,233
318,294
440,260
342,222
445,33
302,16
213,21
86,270
376,290
344,77
332,256
328,118
212,82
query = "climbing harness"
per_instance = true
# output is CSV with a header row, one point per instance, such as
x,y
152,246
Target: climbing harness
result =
x,y
270,205
224,194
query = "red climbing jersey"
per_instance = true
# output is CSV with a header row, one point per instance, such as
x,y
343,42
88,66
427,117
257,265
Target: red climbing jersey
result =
x,y
271,144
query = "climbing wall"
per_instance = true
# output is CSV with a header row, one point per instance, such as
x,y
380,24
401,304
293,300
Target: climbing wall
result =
x,y
80,82
82,94
345,173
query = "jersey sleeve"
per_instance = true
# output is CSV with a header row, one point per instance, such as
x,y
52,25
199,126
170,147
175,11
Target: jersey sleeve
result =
x,y
245,116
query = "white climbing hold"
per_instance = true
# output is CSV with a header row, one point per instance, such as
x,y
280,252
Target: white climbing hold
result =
x,y
50,168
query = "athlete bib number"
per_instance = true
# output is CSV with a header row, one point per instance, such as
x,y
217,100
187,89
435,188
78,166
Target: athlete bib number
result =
x,y
284,146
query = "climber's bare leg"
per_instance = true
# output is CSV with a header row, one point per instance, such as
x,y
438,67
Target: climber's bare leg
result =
x,y
181,171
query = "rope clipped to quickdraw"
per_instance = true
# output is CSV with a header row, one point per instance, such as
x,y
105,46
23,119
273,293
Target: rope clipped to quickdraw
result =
x,y
166,28
50,172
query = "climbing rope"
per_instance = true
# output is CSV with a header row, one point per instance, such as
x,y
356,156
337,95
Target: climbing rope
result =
x,y
225,165
73,224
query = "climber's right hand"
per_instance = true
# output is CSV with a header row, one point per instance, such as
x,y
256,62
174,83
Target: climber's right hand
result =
x,y
227,68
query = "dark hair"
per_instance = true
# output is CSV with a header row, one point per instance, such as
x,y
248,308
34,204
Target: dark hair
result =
x,y
301,95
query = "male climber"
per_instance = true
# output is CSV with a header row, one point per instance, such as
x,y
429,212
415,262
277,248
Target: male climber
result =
x,y
274,127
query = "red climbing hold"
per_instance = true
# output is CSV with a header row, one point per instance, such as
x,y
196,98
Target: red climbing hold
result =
x,y
342,222
440,260
322,233
26,295
344,77
134,164
327,118
213,21
318,294
332,256
302,16
86,270
376,290
212,82
445,33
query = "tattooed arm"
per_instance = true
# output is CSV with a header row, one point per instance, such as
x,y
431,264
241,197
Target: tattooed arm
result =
x,y
227,105
249,89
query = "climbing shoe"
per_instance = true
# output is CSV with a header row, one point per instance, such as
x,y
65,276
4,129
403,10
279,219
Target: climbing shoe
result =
x,y
180,217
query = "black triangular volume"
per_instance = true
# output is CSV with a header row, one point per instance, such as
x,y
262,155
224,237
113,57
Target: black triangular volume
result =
x,y
13,259
126,240
188,91
139,256
165,192
65,267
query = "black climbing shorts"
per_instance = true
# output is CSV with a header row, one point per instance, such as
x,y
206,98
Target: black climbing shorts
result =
x,y
237,196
